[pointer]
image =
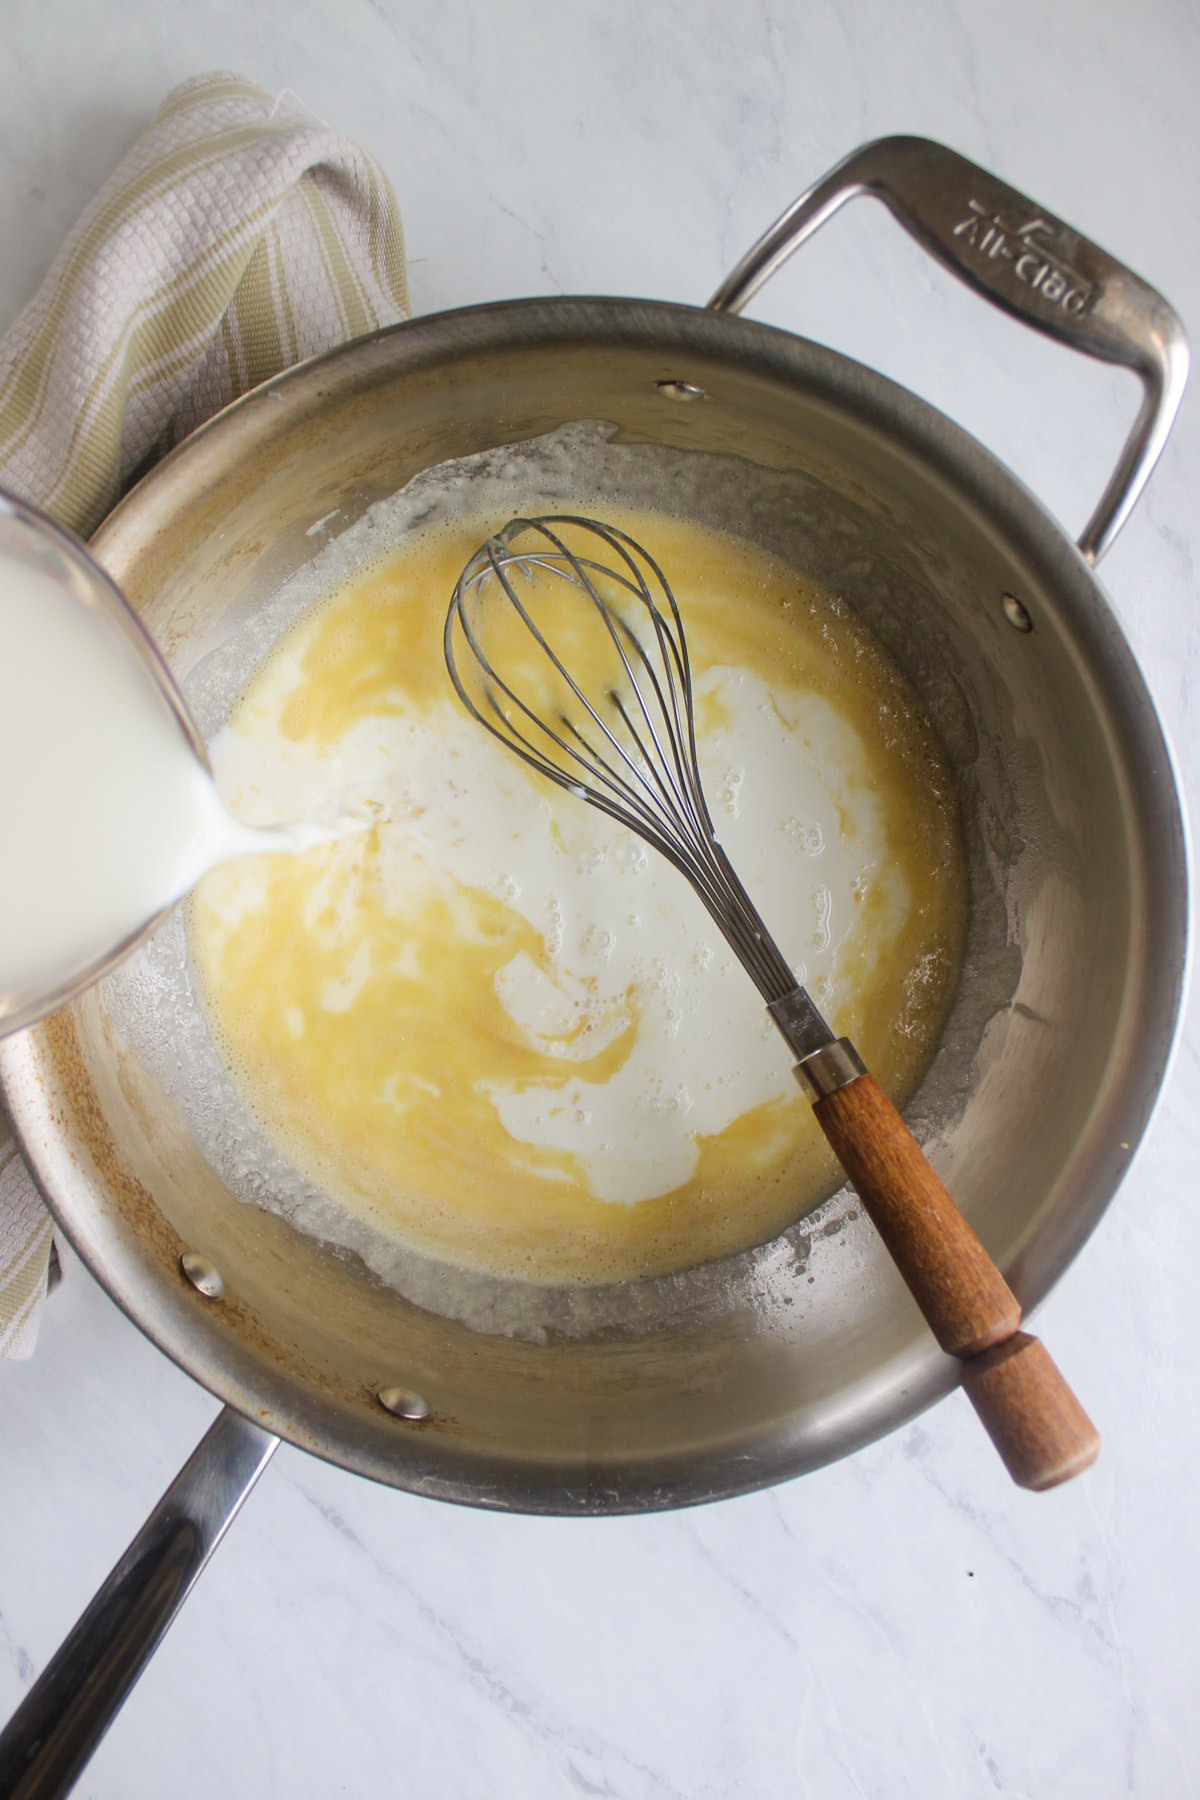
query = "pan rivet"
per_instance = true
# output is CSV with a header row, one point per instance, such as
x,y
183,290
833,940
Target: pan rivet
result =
x,y
681,390
404,1403
204,1276
1015,613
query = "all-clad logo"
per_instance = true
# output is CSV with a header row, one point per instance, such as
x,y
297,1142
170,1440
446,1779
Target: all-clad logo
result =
x,y
1029,248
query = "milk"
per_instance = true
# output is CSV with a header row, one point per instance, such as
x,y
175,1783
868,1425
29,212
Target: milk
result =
x,y
459,816
107,815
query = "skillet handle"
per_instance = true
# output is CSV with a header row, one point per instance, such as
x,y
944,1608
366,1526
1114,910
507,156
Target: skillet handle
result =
x,y
1022,259
48,1740
1032,1417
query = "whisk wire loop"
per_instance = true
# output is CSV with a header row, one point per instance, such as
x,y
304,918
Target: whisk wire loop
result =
x,y
625,741
673,652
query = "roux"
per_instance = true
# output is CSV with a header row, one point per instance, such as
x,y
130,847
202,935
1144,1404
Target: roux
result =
x,y
496,1026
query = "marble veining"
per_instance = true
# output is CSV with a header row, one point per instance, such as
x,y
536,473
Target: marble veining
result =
x,y
904,1624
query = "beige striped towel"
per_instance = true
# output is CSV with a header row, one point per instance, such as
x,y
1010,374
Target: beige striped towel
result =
x,y
238,236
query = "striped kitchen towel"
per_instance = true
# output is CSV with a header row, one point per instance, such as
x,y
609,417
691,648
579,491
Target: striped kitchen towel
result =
x,y
238,236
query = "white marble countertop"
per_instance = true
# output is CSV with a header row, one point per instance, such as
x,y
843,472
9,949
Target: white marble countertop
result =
x,y
904,1623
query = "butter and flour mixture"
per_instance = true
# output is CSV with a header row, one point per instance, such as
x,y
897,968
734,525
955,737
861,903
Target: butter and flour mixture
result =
x,y
496,1027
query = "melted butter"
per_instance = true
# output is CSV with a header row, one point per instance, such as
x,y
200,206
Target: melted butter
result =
x,y
497,1026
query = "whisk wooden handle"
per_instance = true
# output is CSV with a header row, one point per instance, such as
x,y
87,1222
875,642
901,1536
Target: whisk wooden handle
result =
x,y
966,1300
1029,1412
1027,1409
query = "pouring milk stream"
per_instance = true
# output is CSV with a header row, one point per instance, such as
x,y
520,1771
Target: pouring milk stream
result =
x,y
108,815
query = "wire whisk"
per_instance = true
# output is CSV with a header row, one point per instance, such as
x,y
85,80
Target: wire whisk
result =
x,y
565,641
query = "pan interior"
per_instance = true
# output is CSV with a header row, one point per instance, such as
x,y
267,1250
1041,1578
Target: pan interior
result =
x,y
734,1373
152,1001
